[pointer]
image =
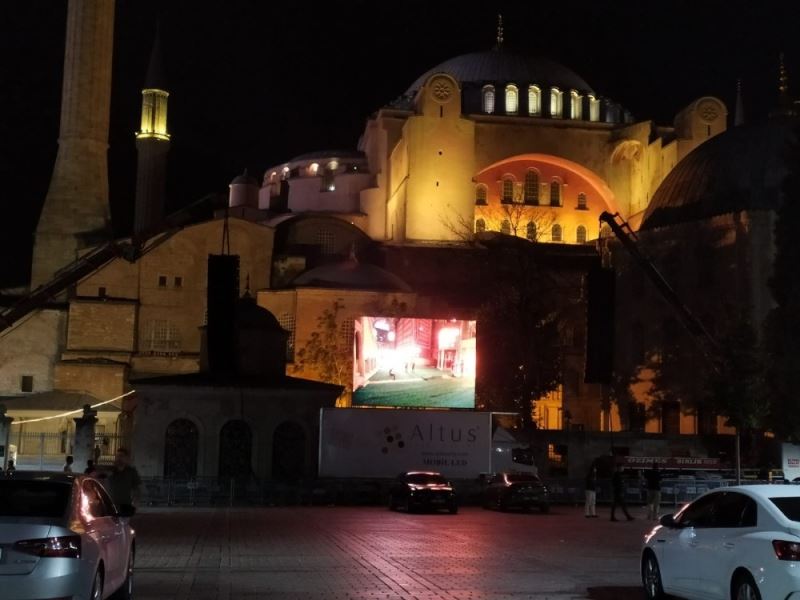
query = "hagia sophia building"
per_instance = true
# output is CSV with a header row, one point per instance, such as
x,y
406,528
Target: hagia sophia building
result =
x,y
485,144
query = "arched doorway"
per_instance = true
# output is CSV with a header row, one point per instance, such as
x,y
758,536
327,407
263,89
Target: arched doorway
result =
x,y
235,450
180,449
288,452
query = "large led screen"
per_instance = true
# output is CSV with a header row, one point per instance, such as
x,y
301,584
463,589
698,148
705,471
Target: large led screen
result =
x,y
413,362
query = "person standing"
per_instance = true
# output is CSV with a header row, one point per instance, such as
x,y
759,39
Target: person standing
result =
x,y
10,469
653,483
590,488
68,464
123,483
90,468
618,494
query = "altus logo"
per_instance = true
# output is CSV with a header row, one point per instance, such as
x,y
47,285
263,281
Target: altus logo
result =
x,y
391,437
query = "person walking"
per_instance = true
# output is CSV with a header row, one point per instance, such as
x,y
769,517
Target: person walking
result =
x,y
10,468
590,488
653,484
123,483
618,494
68,464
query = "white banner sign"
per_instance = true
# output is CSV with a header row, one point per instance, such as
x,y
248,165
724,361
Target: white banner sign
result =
x,y
364,442
791,461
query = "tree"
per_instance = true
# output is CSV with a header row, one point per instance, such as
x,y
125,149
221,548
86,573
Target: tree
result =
x,y
782,327
518,329
326,354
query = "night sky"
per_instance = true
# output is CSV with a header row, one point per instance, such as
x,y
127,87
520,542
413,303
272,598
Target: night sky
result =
x,y
256,83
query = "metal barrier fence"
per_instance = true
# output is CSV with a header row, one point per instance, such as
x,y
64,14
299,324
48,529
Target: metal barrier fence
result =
x,y
48,450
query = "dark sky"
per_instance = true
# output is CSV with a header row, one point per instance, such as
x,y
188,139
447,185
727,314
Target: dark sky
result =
x,y
254,83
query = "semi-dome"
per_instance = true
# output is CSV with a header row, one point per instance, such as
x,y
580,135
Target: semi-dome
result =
x,y
351,274
504,66
740,169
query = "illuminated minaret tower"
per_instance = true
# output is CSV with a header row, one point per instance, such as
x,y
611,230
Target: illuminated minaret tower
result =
x,y
76,212
152,144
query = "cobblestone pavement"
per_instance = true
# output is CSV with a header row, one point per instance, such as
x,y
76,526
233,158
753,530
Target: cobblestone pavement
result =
x,y
370,553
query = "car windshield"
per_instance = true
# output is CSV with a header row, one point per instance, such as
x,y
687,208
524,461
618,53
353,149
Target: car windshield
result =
x,y
522,478
425,478
789,506
22,498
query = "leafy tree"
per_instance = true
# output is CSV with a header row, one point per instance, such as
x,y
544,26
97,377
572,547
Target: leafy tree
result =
x,y
518,329
782,328
326,355
734,387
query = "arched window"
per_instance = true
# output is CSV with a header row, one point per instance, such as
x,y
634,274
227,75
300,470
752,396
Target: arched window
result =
x,y
480,226
534,100
508,190
531,231
531,187
594,108
512,99
555,102
313,169
580,234
488,99
505,227
555,193
480,195
285,173
555,233
581,201
576,105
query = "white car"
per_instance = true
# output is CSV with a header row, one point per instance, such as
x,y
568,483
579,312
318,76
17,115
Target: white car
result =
x,y
62,537
733,543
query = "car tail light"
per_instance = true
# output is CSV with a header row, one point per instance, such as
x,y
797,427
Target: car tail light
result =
x,y
786,550
54,547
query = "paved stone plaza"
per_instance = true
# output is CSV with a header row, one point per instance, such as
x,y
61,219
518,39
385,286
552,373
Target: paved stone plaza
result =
x,y
371,553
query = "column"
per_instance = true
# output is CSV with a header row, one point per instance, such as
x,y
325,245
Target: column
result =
x,y
5,431
83,447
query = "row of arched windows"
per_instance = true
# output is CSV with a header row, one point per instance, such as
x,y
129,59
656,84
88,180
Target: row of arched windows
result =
x,y
531,233
529,192
555,102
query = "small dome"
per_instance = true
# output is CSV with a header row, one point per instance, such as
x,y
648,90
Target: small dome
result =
x,y
351,274
504,67
740,169
252,316
245,179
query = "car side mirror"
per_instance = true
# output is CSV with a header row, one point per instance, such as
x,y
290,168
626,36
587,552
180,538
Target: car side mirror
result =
x,y
669,521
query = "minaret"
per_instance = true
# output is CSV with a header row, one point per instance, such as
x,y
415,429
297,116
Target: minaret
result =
x,y
76,212
499,45
152,144
738,116
784,100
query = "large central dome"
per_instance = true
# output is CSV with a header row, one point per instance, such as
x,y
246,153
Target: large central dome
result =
x,y
503,66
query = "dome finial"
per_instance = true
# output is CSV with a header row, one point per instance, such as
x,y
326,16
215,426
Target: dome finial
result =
x,y
499,32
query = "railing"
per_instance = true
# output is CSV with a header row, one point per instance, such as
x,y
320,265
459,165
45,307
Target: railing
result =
x,y
48,450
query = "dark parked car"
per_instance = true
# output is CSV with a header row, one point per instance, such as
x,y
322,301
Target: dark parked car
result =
x,y
422,490
516,490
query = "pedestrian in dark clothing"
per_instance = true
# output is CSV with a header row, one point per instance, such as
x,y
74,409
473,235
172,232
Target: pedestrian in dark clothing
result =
x,y
653,483
590,488
618,494
90,468
123,483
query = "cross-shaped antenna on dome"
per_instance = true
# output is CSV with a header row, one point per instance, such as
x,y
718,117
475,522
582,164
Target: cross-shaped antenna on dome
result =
x,y
499,31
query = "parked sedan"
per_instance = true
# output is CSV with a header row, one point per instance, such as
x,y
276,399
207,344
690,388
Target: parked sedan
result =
x,y
738,543
422,490
62,537
516,490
